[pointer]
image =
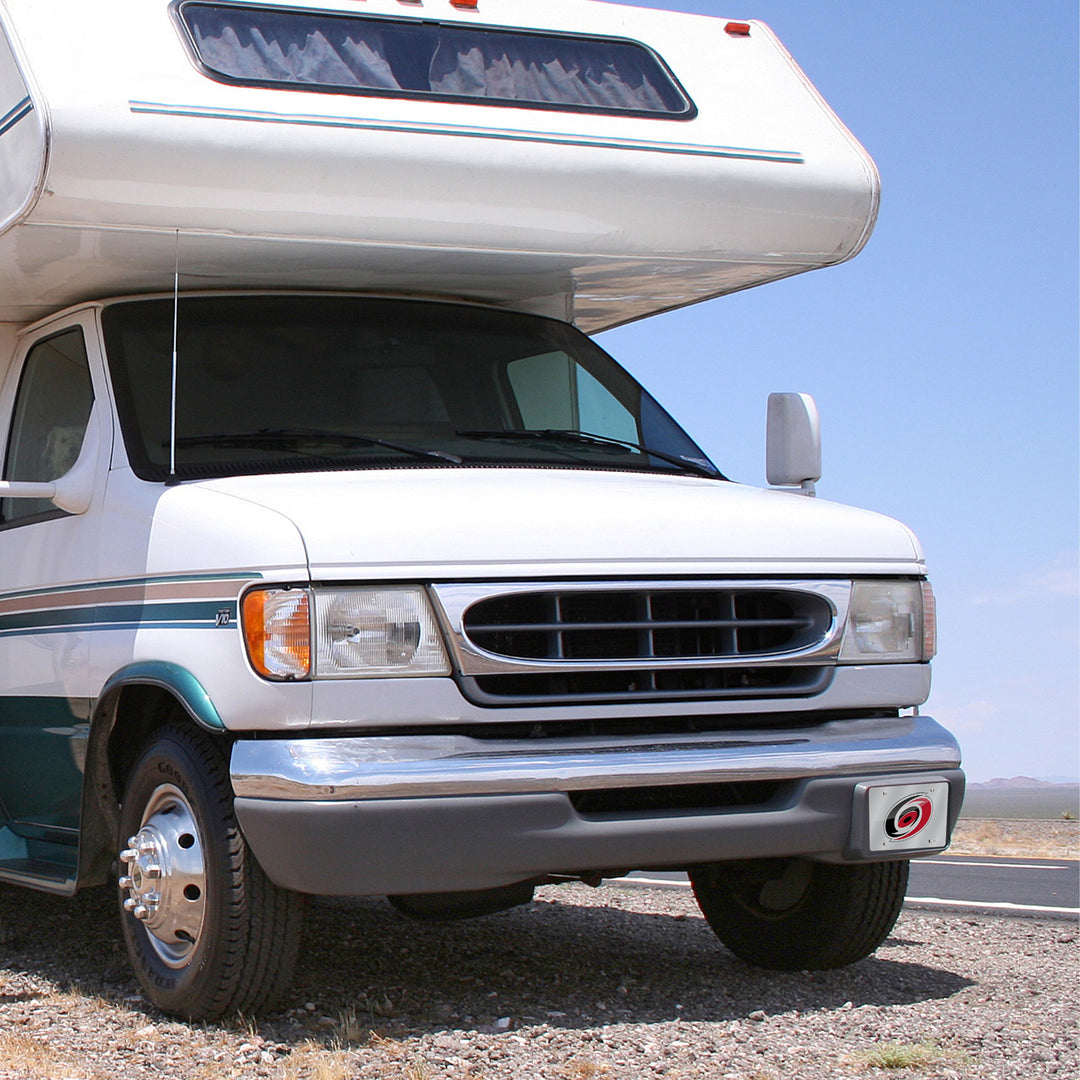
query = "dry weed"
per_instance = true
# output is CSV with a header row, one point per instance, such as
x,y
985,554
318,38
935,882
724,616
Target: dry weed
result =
x,y
25,1054
313,1061
893,1055
1021,838
27,1057
417,1069
585,1069
349,1027
391,1047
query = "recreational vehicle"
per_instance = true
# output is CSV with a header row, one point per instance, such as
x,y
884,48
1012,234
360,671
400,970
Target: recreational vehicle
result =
x,y
337,559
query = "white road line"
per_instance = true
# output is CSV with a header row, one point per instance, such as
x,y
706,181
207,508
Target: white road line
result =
x,y
649,881
991,905
1003,865
975,904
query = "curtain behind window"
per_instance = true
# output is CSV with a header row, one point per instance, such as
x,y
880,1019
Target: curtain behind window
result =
x,y
266,47
308,49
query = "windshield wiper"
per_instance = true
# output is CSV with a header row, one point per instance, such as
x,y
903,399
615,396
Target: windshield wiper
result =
x,y
697,465
271,436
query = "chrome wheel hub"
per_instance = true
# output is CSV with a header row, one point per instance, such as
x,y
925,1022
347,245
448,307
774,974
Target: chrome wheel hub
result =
x,y
164,876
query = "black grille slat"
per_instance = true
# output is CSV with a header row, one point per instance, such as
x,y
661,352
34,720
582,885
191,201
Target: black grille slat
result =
x,y
643,624
678,684
647,624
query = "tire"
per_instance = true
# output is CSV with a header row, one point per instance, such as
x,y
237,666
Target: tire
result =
x,y
207,932
796,915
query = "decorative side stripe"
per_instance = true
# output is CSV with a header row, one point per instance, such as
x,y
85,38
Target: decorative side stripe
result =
x,y
88,593
162,616
188,602
789,157
13,116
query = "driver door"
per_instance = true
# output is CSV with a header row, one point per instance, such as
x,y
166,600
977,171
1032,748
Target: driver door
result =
x,y
47,565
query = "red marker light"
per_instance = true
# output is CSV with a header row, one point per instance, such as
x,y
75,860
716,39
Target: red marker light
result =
x,y
735,29
468,4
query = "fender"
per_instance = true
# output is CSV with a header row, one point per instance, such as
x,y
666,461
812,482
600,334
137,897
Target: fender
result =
x,y
178,681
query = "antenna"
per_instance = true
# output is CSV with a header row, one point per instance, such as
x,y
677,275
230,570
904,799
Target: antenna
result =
x,y
172,392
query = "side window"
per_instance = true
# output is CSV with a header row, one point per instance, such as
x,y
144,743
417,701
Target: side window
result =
x,y
553,391
52,408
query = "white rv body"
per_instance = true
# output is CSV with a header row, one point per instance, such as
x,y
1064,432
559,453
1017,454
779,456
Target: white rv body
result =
x,y
316,500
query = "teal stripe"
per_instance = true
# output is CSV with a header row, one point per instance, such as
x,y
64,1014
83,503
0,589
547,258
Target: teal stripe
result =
x,y
789,157
193,615
12,117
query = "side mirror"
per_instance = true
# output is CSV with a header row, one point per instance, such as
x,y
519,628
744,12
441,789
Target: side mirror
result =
x,y
74,490
793,442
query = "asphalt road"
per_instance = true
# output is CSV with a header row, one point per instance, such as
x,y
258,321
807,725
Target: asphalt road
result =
x,y
1036,886
1041,887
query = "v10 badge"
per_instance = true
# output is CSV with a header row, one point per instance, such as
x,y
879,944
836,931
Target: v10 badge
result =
x,y
908,817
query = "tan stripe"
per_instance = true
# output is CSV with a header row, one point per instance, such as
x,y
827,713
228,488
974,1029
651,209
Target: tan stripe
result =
x,y
161,590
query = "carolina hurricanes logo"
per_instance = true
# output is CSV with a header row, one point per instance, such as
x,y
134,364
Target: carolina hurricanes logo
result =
x,y
907,817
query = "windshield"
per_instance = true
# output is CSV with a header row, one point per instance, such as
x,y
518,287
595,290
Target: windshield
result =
x,y
310,383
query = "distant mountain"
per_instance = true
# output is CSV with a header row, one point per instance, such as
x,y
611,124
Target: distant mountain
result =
x,y
1022,782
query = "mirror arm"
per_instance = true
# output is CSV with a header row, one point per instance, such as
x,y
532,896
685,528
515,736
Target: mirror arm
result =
x,y
19,489
74,490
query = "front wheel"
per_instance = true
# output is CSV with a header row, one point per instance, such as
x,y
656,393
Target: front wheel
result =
x,y
207,932
795,915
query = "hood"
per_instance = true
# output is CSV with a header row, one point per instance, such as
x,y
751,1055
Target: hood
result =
x,y
440,523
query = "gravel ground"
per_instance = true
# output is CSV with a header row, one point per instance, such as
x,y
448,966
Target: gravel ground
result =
x,y
583,984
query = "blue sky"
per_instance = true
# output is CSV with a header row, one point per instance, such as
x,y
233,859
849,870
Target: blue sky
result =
x,y
944,358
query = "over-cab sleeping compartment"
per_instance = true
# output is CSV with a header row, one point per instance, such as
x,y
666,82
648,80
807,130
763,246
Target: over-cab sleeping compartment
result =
x,y
592,161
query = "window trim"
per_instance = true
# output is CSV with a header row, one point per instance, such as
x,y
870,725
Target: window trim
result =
x,y
690,111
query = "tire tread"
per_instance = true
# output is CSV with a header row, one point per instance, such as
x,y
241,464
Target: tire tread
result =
x,y
845,914
251,960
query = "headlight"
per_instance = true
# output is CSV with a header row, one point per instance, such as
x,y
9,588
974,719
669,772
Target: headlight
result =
x,y
889,622
342,633
386,631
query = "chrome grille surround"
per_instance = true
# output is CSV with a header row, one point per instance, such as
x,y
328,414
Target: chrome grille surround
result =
x,y
591,642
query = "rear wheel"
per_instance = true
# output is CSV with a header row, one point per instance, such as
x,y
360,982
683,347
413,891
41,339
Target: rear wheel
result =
x,y
207,932
794,915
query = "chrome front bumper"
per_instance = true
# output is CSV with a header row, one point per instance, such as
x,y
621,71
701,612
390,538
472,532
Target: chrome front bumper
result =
x,y
412,814
421,766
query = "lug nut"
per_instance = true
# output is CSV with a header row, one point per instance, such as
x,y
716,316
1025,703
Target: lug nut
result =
x,y
125,883
141,912
129,855
153,871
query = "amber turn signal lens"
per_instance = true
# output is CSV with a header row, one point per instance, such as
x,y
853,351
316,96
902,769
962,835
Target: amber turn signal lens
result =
x,y
277,632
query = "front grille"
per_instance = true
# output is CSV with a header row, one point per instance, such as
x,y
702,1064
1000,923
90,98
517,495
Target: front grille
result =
x,y
651,642
649,684
647,624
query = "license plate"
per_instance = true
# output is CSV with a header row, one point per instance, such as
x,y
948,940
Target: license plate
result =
x,y
907,817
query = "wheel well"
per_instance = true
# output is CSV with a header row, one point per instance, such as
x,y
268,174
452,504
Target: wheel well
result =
x,y
139,712
119,733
